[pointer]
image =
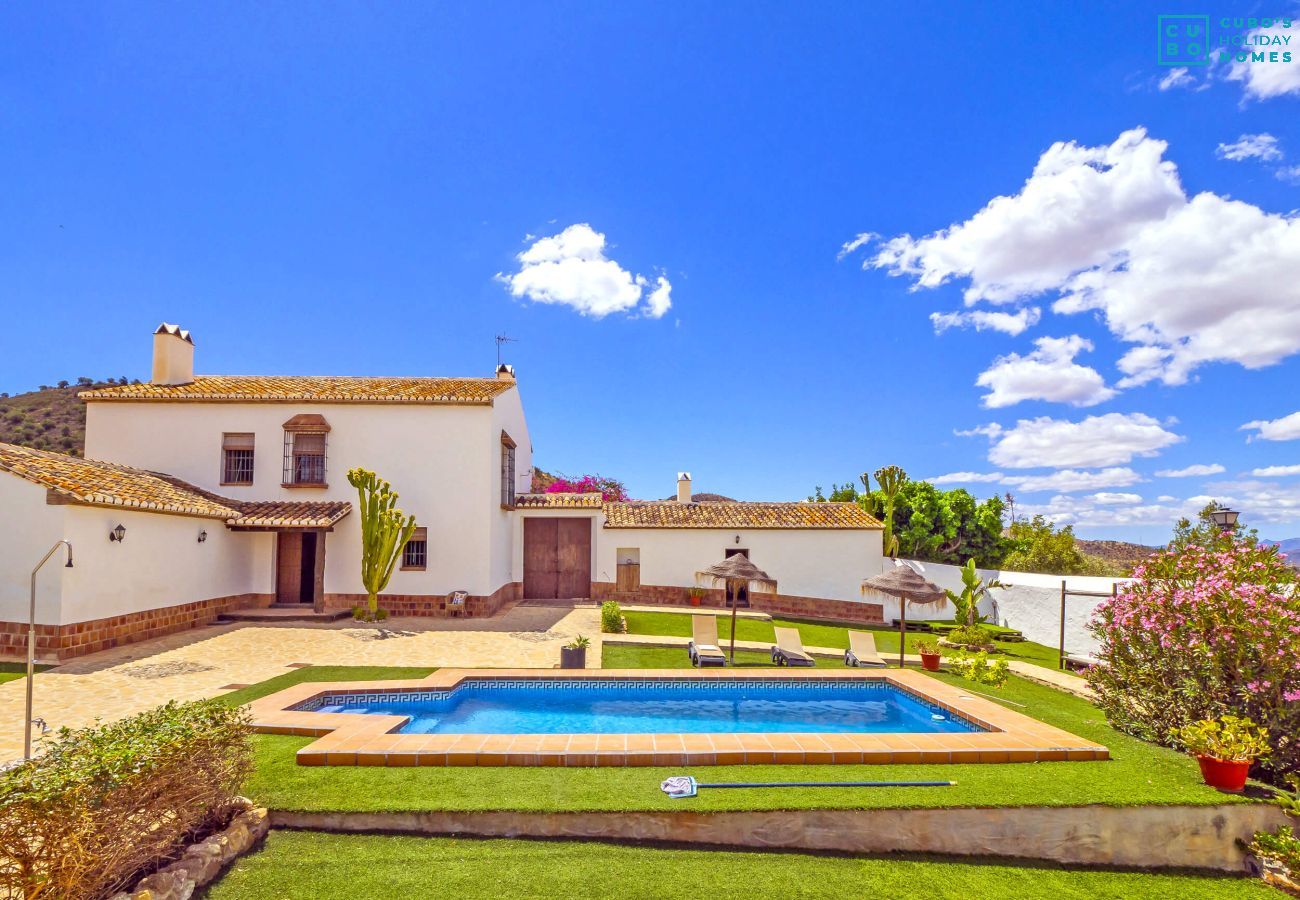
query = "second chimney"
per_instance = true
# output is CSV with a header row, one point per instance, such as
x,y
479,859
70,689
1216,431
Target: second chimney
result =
x,y
683,487
173,355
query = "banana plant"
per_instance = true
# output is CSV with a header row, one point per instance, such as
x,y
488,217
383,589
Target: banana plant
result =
x,y
385,529
891,480
973,590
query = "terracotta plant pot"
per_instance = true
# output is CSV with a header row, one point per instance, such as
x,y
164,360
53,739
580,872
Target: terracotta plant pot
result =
x,y
695,601
930,661
1224,774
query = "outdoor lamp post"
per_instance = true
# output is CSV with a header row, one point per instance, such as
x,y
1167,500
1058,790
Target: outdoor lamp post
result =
x,y
1225,518
31,645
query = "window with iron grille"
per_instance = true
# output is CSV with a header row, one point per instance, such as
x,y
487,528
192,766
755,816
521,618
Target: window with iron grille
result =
x,y
507,471
237,459
304,451
415,555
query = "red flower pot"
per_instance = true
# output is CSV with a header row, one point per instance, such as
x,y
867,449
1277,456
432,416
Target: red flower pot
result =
x,y
695,601
1224,774
930,661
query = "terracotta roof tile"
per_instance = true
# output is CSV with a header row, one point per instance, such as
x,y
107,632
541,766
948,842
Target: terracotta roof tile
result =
x,y
671,514
321,389
559,500
95,483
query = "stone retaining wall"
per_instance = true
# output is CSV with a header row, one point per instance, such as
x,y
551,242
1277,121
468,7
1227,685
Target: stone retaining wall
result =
x,y
476,606
851,611
201,863
1140,836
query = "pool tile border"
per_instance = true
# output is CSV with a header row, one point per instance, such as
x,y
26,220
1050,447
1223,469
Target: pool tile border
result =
x,y
347,739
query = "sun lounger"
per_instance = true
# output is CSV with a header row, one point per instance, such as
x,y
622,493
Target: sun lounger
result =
x,y
703,648
788,650
1078,661
862,651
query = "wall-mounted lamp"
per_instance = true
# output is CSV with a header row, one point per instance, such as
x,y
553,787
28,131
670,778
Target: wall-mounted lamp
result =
x,y
203,535
118,534
737,539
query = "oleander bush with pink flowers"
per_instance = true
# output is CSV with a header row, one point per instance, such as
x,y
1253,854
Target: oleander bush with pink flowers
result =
x,y
1200,633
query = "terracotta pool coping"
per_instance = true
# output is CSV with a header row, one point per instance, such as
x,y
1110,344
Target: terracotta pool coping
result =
x,y
349,739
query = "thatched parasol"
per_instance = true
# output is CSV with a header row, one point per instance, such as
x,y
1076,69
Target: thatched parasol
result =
x,y
736,572
903,582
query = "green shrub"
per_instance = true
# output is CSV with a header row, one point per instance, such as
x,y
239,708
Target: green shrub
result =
x,y
611,618
978,668
927,645
104,803
970,636
1281,845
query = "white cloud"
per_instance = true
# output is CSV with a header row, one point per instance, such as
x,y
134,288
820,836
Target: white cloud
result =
x,y
1048,373
1267,78
1275,471
1108,440
1190,471
968,478
571,269
1106,498
1079,207
1289,174
1064,481
981,320
1087,510
1251,146
1286,428
1112,230
858,242
1177,78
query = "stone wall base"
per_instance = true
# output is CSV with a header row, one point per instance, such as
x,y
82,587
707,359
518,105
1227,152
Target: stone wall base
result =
x,y
56,643
776,604
201,863
435,605
1140,836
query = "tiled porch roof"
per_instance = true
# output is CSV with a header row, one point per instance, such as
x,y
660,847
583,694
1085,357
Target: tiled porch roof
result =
x,y
672,514
321,389
559,500
95,483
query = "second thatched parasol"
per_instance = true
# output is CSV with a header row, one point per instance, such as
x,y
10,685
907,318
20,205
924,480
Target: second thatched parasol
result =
x,y
906,584
736,572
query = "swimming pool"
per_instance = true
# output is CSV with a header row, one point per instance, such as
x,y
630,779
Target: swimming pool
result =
x,y
658,706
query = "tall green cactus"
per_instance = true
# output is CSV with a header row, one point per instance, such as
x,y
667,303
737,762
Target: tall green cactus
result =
x,y
385,529
891,480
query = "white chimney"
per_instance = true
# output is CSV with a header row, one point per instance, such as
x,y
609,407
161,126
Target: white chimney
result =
x,y
683,487
505,372
173,355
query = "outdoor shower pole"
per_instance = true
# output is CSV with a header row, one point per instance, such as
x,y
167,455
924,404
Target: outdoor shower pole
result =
x,y
1060,663
31,645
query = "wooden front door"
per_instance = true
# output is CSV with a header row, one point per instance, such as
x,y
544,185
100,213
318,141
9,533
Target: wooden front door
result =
x,y
299,567
557,559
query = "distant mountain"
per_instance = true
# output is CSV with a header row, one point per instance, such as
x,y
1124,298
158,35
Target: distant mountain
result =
x,y
1121,554
51,418
1290,548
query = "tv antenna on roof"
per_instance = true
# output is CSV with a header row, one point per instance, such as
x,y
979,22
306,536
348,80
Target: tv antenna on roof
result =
x,y
503,339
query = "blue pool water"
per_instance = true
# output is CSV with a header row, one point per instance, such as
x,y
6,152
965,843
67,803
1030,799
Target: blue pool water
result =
x,y
667,706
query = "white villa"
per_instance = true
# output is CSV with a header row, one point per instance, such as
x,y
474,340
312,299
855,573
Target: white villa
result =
x,y
204,495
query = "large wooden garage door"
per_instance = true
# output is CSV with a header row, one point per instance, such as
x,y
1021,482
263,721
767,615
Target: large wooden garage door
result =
x,y
557,559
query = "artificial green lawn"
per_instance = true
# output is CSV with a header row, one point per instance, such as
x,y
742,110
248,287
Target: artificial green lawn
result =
x,y
12,671
325,866
1138,773
816,634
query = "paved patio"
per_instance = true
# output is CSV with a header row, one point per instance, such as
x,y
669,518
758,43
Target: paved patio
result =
x,y
205,662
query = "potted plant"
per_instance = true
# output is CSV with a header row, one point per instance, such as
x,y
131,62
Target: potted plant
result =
x,y
697,595
573,655
1225,748
930,654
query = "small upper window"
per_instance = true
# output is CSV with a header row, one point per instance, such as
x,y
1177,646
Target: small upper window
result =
x,y
415,555
507,472
304,451
237,459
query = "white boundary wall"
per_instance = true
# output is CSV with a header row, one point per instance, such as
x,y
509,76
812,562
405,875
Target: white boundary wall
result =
x,y
1031,603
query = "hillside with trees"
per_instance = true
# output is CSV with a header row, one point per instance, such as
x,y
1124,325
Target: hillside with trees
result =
x,y
49,418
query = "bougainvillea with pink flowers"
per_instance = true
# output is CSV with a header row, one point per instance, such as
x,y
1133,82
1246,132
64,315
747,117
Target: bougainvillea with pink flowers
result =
x,y
1200,633
611,489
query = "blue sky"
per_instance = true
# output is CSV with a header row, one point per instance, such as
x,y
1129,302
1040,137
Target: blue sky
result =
x,y
350,190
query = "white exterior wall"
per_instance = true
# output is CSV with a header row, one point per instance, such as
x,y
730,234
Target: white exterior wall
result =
x,y
506,538
28,529
159,563
826,563
432,455
1031,603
